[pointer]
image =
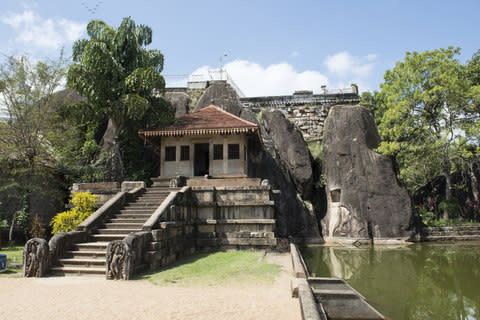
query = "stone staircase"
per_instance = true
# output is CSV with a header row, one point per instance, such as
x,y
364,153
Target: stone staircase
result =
x,y
89,258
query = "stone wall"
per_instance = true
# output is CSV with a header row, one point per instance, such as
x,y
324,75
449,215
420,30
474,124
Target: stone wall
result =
x,y
309,119
170,242
214,217
106,190
451,233
234,217
307,111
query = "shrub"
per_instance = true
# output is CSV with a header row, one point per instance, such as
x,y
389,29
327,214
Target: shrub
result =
x,y
316,149
83,206
426,215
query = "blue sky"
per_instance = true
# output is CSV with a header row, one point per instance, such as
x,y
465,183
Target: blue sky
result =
x,y
271,47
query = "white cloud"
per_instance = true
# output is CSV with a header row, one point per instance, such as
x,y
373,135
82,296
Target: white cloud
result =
x,y
276,79
344,64
46,34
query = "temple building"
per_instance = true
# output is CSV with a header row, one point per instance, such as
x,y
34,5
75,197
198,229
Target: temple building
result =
x,y
209,142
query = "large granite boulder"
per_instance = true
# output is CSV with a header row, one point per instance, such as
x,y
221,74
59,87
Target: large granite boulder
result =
x,y
292,149
274,160
365,201
180,101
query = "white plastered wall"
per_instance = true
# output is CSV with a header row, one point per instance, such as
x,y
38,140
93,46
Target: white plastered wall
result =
x,y
218,168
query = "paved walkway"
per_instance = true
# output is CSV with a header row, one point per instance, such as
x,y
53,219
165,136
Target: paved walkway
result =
x,y
96,298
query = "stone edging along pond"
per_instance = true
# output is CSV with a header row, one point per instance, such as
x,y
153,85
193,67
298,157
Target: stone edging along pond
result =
x,y
451,233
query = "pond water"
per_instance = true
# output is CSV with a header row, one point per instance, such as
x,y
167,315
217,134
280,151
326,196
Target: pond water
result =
x,y
419,281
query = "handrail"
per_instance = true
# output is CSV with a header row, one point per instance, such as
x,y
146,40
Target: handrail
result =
x,y
163,208
112,204
92,220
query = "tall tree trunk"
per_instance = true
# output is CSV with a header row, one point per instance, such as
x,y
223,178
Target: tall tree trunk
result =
x,y
475,191
448,193
113,169
474,183
12,225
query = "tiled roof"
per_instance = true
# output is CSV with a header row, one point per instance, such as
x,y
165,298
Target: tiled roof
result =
x,y
209,120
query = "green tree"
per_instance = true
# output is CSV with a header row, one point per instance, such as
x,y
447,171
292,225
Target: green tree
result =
x,y
33,140
425,114
471,145
119,77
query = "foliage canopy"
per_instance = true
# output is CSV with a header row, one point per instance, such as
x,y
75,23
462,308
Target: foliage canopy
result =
x,y
427,116
120,78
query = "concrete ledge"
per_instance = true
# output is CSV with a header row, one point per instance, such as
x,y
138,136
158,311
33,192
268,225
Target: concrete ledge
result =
x,y
223,182
308,305
80,187
240,221
299,269
341,240
130,185
248,241
245,204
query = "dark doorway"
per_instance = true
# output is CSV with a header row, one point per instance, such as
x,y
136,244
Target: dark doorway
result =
x,y
201,160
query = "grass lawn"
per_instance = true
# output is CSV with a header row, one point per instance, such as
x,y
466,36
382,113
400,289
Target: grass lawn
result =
x,y
14,256
238,267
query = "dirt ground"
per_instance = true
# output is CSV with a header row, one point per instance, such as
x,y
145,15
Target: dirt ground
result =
x,y
95,298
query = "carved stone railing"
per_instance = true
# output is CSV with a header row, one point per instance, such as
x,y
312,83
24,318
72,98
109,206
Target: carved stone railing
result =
x,y
115,203
35,258
167,211
125,257
62,242
39,255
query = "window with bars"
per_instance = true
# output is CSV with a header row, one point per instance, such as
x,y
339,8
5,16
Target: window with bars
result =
x,y
233,151
170,153
184,153
218,152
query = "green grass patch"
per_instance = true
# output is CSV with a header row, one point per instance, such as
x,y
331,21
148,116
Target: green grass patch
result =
x,y
232,267
14,257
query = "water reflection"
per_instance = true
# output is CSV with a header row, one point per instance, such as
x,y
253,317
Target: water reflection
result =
x,y
421,281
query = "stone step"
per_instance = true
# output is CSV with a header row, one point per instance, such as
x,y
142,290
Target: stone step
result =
x,y
154,196
145,205
452,238
77,271
454,233
85,253
92,246
123,225
118,231
161,194
127,220
85,262
136,211
108,237
129,215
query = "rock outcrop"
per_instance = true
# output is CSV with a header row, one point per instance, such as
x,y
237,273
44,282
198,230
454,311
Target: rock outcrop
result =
x,y
365,201
180,101
221,94
275,161
292,149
